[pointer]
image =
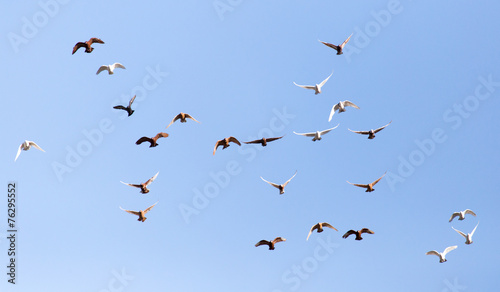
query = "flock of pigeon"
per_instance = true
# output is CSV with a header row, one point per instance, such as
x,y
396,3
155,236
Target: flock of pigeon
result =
x,y
316,136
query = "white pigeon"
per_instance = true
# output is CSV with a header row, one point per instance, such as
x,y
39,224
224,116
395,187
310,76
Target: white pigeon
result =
x,y
282,186
110,68
461,214
317,87
468,237
341,107
317,134
442,255
26,146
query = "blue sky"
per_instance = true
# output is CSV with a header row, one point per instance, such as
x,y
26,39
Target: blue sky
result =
x,y
431,69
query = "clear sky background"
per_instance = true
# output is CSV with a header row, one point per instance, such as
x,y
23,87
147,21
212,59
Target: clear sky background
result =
x,y
432,68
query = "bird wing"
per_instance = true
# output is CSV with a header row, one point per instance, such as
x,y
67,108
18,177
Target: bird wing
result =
x,y
324,81
102,68
315,226
18,151
474,230
330,45
375,182
190,117
132,185
273,184
150,207
273,139
31,143
77,46
131,212
433,252
326,224
262,242
151,179
348,103
366,230
160,135
348,233
220,142
144,139
131,101
469,212
358,185
381,128
345,42
234,140
118,65
95,40
460,232
305,86
360,132
120,107
175,119
454,215
306,134
290,179
448,249
254,142
332,112
328,130
278,239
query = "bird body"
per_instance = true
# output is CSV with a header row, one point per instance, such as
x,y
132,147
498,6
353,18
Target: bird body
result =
x,y
153,140
338,48
26,145
182,117
316,135
341,107
319,228
369,187
270,243
442,255
316,87
371,133
140,213
281,187
461,214
143,186
87,45
468,236
225,143
357,233
110,68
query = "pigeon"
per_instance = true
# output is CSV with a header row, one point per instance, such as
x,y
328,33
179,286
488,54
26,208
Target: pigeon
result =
x,y
144,186
341,107
183,118
225,143
270,243
282,186
357,233
152,140
26,145
468,237
319,228
87,45
140,213
369,187
129,109
371,133
461,214
317,135
338,48
441,256
110,68
263,141
317,87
